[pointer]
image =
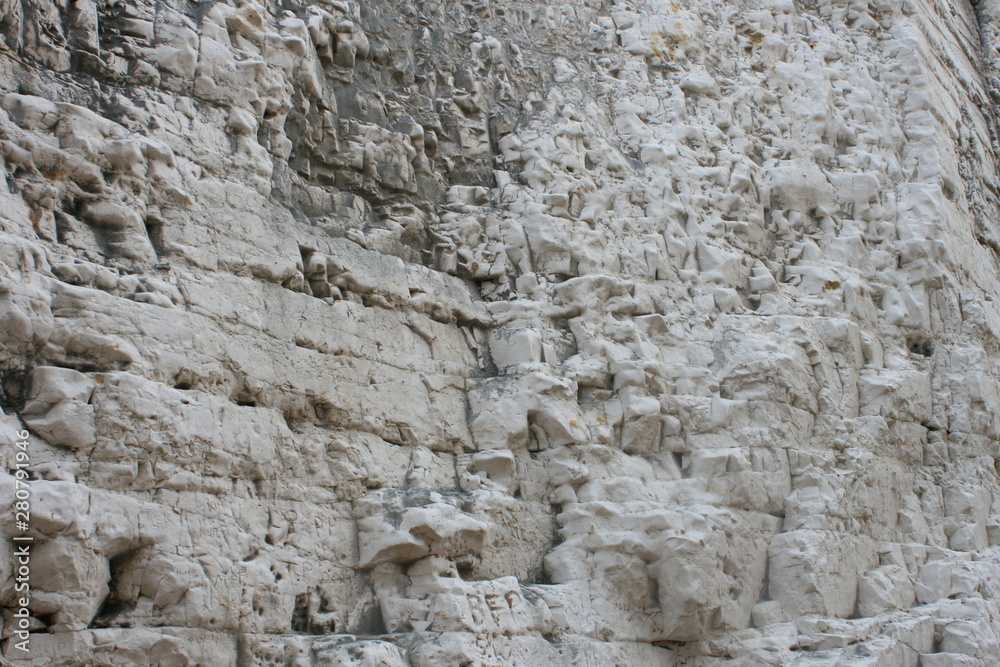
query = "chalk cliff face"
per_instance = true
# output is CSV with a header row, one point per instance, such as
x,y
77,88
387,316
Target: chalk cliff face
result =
x,y
502,332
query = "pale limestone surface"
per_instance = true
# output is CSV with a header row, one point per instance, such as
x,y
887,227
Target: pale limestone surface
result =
x,y
651,332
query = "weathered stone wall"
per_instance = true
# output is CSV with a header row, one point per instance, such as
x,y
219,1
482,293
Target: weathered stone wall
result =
x,y
501,332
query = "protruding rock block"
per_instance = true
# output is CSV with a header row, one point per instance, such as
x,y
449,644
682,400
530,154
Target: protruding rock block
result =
x,y
59,409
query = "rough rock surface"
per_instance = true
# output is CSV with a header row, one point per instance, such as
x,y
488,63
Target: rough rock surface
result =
x,y
502,332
